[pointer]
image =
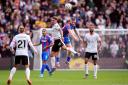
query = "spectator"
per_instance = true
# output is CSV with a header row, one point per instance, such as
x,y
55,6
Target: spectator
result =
x,y
114,49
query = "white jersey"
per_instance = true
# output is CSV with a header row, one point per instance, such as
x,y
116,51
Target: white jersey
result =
x,y
56,31
21,42
92,42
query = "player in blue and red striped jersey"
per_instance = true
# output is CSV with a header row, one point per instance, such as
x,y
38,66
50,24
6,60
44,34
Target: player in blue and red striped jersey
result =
x,y
67,32
46,42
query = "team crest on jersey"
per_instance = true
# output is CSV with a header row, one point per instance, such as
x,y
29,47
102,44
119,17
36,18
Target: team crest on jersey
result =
x,y
43,40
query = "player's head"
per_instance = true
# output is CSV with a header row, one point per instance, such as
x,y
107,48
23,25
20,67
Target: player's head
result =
x,y
69,21
21,29
44,31
91,27
73,21
54,20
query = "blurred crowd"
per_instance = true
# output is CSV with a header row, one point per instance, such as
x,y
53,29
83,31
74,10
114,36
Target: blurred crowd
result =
x,y
34,14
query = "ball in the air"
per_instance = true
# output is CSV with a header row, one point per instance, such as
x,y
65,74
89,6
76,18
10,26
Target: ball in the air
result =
x,y
68,6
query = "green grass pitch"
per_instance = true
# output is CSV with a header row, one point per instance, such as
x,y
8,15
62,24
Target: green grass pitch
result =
x,y
68,78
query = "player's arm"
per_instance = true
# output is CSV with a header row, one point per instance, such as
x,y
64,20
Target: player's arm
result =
x,y
13,44
61,32
85,41
99,42
72,34
36,44
31,45
48,46
77,34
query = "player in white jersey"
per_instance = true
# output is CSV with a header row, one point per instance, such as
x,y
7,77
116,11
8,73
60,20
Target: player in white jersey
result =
x,y
57,34
21,42
92,40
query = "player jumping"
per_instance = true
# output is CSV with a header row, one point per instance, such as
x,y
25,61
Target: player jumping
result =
x,y
57,34
68,30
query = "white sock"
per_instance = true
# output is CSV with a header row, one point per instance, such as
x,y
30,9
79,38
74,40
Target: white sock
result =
x,y
27,73
86,68
12,72
72,50
95,70
53,62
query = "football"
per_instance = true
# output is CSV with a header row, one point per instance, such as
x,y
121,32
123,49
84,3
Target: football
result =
x,y
68,6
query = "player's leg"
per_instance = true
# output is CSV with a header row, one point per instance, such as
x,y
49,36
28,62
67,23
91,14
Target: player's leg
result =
x,y
70,50
57,61
27,73
53,60
42,68
13,70
94,58
25,62
68,58
55,53
45,65
87,56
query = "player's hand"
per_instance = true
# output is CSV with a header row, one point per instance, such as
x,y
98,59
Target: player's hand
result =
x,y
43,48
76,39
62,39
99,49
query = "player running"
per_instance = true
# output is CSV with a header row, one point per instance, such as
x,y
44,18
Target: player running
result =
x,y
91,40
21,42
46,42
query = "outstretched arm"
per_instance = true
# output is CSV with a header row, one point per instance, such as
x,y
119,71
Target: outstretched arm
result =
x,y
72,34
77,34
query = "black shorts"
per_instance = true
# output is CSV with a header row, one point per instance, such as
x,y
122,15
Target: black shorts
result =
x,y
57,44
93,55
21,58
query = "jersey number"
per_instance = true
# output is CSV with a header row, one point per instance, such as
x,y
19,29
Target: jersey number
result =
x,y
21,44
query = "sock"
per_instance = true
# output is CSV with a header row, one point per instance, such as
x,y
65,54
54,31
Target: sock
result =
x,y
43,68
27,72
57,60
12,72
68,59
86,68
53,62
72,50
95,70
48,68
